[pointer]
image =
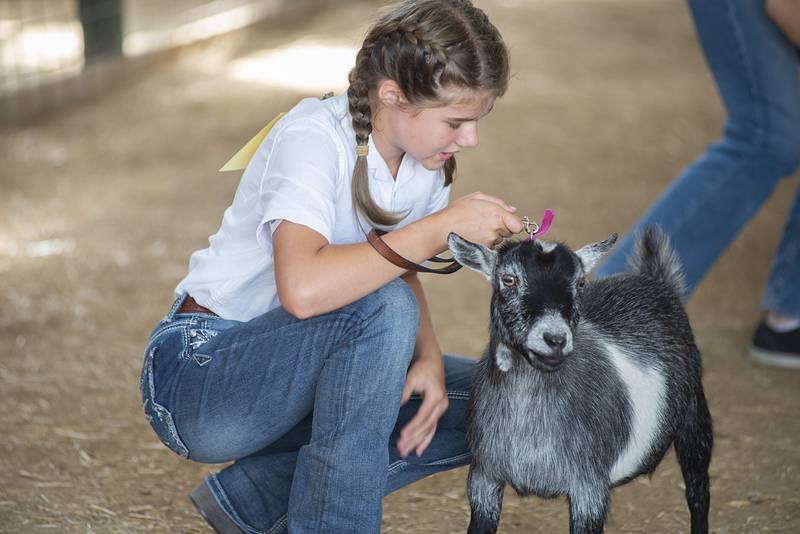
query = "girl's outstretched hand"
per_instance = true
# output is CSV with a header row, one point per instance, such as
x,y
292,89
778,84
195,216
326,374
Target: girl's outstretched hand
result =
x,y
426,377
482,219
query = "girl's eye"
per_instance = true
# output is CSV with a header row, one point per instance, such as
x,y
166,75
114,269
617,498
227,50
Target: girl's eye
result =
x,y
508,280
454,125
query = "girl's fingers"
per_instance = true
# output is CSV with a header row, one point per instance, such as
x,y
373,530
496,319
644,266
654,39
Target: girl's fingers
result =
x,y
497,200
427,382
419,419
426,441
413,437
421,440
420,426
414,441
513,223
430,423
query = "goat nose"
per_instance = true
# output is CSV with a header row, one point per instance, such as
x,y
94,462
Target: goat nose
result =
x,y
555,341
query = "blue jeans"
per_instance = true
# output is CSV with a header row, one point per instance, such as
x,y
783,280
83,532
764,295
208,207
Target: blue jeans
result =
x,y
308,410
758,77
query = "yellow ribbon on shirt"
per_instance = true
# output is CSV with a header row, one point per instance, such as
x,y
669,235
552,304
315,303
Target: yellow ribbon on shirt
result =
x,y
240,160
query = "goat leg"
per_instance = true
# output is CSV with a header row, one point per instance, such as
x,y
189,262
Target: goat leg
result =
x,y
693,448
485,500
588,510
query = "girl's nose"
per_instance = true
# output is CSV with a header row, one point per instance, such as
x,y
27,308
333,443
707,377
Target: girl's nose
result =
x,y
469,135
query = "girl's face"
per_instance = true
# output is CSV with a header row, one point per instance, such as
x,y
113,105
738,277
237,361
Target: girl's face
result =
x,y
432,135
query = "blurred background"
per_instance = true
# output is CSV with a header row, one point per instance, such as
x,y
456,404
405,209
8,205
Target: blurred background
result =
x,y
114,118
57,51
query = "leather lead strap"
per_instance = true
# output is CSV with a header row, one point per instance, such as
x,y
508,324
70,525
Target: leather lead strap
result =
x,y
384,250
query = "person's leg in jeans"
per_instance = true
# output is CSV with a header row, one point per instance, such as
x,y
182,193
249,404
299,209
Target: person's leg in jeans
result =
x,y
756,71
777,339
255,490
254,382
783,289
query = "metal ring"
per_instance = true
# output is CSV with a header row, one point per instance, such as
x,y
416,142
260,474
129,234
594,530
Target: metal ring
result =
x,y
530,226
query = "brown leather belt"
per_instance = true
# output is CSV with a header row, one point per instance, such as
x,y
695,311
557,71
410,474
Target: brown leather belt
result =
x,y
191,306
384,250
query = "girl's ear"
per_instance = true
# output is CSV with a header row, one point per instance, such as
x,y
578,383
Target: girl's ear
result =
x,y
472,255
390,94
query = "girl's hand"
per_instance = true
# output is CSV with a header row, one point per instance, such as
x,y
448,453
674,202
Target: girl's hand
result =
x,y
426,377
482,219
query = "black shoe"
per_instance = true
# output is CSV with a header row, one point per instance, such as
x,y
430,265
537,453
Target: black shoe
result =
x,y
206,504
779,349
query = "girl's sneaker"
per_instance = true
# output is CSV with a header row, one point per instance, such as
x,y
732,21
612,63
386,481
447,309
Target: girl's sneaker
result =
x,y
779,349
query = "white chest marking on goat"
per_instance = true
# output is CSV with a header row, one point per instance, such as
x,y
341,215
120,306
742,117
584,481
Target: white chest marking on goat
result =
x,y
646,393
503,357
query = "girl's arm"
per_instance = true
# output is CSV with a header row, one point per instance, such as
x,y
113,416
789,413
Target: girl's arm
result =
x,y
425,377
314,277
426,346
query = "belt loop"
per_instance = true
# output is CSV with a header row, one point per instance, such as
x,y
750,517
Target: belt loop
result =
x,y
175,306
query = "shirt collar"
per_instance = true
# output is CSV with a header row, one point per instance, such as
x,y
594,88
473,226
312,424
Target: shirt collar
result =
x,y
380,169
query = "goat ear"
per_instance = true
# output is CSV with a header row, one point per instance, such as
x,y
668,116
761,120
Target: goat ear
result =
x,y
591,254
472,255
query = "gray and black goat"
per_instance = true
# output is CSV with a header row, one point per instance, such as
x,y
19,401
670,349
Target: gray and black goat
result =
x,y
584,384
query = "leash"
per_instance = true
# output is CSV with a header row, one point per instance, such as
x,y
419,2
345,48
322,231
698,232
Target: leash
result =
x,y
374,238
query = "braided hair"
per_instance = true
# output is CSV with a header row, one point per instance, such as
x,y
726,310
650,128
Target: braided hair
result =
x,y
426,47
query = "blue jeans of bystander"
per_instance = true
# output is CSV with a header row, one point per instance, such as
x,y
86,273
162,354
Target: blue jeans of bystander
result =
x,y
758,76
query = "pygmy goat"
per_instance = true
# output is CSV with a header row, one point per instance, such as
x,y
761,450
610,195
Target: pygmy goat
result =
x,y
583,385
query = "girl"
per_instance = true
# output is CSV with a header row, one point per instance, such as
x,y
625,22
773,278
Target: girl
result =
x,y
293,344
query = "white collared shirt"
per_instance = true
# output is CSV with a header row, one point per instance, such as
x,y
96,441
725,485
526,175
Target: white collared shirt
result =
x,y
302,173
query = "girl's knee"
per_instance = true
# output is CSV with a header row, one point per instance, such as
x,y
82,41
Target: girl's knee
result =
x,y
399,297
393,305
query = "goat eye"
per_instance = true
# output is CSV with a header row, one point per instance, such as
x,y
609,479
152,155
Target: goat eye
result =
x,y
581,283
508,280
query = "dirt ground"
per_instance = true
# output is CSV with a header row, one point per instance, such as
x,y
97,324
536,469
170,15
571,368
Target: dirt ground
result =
x,y
102,204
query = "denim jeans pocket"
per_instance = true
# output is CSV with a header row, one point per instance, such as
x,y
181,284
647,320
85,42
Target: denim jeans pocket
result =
x,y
196,336
158,416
